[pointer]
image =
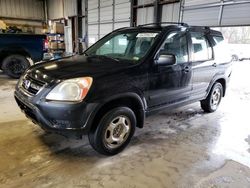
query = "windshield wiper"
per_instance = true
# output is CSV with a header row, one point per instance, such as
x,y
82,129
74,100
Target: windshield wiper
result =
x,y
84,53
105,56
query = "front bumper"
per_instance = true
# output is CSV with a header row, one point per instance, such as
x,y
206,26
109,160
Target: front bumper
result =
x,y
59,117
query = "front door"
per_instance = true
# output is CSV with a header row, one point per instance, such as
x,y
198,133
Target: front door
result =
x,y
171,84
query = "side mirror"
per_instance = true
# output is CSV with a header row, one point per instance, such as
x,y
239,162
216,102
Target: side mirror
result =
x,y
166,59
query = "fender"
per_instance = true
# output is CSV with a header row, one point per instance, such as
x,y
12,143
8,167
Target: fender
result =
x,y
141,111
136,96
4,52
212,82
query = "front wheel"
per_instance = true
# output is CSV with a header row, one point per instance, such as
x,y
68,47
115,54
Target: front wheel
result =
x,y
211,103
114,131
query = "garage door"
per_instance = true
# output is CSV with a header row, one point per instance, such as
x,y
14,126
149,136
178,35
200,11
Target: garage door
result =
x,y
170,12
106,15
145,15
216,12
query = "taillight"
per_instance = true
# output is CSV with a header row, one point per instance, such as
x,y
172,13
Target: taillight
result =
x,y
45,44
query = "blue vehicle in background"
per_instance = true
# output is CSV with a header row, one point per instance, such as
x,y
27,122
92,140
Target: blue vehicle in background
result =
x,y
19,51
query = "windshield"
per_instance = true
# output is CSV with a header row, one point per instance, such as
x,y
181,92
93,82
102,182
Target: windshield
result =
x,y
128,45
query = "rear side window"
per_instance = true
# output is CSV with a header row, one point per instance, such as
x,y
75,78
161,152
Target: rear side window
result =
x,y
202,50
218,39
222,51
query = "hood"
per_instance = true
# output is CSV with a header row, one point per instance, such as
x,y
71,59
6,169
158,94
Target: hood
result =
x,y
76,66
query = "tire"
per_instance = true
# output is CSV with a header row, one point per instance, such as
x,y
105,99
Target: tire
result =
x,y
15,65
119,122
212,102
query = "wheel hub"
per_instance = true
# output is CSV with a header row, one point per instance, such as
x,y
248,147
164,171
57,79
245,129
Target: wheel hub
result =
x,y
117,132
216,97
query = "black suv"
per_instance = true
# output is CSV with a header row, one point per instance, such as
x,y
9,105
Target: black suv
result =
x,y
107,91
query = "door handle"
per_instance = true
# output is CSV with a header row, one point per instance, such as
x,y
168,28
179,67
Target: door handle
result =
x,y
214,65
186,69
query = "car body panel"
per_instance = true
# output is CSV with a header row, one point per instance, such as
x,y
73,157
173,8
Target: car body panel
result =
x,y
30,44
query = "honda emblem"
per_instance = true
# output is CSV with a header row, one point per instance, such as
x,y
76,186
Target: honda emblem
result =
x,y
27,84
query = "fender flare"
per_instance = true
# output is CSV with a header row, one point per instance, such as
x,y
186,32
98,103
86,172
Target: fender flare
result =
x,y
215,79
140,115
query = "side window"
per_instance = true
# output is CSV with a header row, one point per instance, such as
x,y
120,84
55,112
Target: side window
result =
x,y
202,50
176,44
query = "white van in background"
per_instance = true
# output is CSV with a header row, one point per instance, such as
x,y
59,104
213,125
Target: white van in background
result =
x,y
240,52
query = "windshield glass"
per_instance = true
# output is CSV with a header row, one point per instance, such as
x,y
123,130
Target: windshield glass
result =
x,y
124,45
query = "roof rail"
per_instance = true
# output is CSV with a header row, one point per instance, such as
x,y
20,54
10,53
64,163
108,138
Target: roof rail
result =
x,y
160,23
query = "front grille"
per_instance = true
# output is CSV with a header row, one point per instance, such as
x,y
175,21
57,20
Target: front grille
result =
x,y
31,85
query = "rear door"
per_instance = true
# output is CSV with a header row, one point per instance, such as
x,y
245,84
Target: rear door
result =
x,y
171,84
203,63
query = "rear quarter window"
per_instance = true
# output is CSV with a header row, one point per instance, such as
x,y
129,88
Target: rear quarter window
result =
x,y
202,50
221,50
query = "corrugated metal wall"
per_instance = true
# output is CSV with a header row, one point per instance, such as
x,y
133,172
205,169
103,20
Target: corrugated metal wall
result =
x,y
70,8
145,15
105,16
216,12
170,12
236,15
25,9
62,8
198,2
55,9
144,2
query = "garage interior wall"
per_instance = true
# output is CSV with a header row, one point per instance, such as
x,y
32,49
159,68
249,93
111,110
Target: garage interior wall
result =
x,y
145,15
59,9
170,12
149,11
145,12
26,14
106,15
55,5
66,11
216,12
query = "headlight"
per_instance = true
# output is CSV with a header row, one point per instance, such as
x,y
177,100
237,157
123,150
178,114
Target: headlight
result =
x,y
71,90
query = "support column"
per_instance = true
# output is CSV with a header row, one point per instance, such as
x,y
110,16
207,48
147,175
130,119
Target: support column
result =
x,y
157,12
79,33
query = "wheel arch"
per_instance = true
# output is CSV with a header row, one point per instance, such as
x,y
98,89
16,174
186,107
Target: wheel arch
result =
x,y
131,100
222,81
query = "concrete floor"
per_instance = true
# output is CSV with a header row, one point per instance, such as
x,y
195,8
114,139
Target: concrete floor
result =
x,y
184,148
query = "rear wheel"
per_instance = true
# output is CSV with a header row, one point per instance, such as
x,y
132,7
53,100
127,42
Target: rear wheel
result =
x,y
211,103
114,131
15,65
